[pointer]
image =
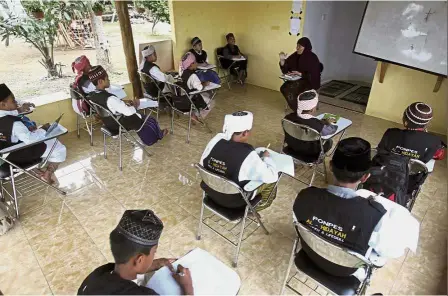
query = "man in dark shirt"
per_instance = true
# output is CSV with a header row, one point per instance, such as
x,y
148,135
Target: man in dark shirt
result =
x,y
133,244
414,141
234,59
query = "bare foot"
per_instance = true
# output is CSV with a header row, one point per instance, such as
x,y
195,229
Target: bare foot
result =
x,y
165,132
194,119
48,177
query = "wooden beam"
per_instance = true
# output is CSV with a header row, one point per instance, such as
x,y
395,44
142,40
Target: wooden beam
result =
x,y
383,68
128,46
438,84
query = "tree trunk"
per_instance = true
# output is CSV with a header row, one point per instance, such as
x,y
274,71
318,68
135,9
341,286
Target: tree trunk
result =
x,y
101,43
128,47
154,26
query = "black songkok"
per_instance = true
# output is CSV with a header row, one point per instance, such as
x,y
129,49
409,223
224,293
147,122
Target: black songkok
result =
x,y
4,92
141,226
353,155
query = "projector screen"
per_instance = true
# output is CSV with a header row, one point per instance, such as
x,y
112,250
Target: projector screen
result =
x,y
410,34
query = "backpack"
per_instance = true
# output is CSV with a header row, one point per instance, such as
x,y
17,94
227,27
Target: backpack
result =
x,y
389,177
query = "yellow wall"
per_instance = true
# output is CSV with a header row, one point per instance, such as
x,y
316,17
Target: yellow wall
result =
x,y
403,86
260,27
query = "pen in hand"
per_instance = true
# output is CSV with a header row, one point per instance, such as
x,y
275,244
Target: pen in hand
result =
x,y
261,154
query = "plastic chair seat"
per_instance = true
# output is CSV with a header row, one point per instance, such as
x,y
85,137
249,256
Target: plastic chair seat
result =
x,y
311,159
339,285
5,172
231,214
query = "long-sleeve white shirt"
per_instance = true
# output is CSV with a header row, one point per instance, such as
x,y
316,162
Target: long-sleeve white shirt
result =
x,y
117,107
20,133
253,167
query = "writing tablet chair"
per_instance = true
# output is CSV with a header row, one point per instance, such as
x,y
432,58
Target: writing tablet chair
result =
x,y
418,172
182,104
338,285
150,83
88,117
121,132
222,68
10,171
230,216
306,134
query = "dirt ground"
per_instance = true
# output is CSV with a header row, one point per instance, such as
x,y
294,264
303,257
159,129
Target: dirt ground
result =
x,y
21,71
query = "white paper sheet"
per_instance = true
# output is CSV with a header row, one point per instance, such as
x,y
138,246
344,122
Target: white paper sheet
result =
x,y
284,163
211,86
147,103
206,67
210,276
239,59
290,77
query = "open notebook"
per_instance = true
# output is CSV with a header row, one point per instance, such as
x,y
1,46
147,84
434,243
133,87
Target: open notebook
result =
x,y
283,162
210,276
147,103
206,67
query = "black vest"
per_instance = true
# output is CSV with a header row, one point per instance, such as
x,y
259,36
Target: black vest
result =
x,y
23,156
186,74
225,159
234,51
200,58
6,123
132,122
151,87
348,222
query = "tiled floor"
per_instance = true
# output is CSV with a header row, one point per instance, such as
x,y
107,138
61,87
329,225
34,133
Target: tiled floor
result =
x,y
59,240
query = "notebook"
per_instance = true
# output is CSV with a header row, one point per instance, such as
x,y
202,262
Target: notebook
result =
x,y
283,162
210,276
331,117
291,77
206,67
147,103
239,59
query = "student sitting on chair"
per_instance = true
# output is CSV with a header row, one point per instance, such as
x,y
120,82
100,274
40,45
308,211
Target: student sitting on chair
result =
x,y
133,243
230,155
202,60
149,67
302,62
414,141
191,82
147,128
307,103
231,52
81,66
13,131
357,220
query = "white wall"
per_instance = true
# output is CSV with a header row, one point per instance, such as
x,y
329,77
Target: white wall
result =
x,y
332,27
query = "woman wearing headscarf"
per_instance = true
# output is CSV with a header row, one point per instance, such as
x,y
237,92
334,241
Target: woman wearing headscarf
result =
x,y
191,82
81,66
306,107
305,63
202,60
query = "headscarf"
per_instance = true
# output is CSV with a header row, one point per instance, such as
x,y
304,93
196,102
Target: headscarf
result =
x,y
97,73
187,60
141,226
78,67
4,92
307,101
353,155
237,122
146,52
195,41
418,115
305,42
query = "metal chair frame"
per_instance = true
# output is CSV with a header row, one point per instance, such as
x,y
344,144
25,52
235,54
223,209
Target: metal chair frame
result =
x,y
309,135
178,90
356,260
148,79
225,186
88,118
16,171
227,75
122,131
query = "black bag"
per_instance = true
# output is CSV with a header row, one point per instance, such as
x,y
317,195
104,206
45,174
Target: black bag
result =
x,y
389,176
